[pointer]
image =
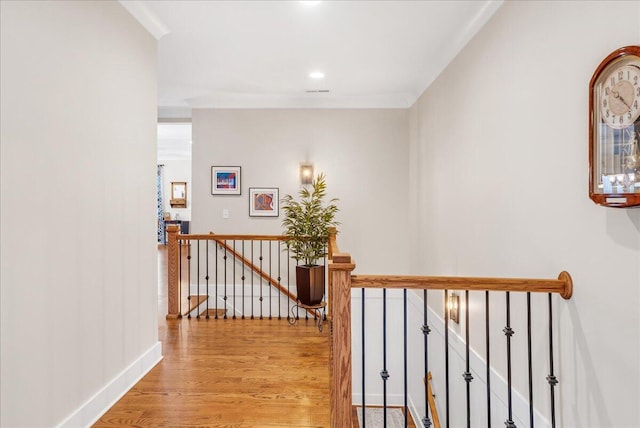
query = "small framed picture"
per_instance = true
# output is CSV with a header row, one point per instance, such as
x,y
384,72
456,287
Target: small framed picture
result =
x,y
225,180
264,202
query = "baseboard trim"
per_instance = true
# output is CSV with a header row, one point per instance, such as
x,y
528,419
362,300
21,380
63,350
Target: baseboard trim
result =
x,y
87,414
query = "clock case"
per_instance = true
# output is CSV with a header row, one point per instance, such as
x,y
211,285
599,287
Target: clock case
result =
x,y
609,199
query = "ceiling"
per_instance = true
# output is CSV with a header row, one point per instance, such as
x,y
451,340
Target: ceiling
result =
x,y
258,54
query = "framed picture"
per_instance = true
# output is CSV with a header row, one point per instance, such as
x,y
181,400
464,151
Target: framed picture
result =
x,y
264,202
225,180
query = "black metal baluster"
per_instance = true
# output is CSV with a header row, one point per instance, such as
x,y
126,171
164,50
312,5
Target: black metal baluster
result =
x,y
364,401
198,279
508,331
488,352
279,280
270,276
289,310
189,278
179,278
425,332
207,277
446,354
306,313
467,374
244,267
553,381
384,374
406,377
225,279
261,298
215,316
530,360
252,276
326,284
233,285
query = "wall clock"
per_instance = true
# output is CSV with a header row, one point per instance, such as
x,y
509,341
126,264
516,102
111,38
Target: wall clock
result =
x,y
614,130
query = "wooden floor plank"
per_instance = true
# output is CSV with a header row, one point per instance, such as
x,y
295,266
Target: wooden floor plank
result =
x,y
232,373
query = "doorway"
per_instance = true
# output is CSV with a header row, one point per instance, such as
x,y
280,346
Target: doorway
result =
x,y
174,170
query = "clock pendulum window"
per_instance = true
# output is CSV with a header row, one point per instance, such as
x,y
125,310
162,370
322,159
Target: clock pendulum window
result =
x,y
614,130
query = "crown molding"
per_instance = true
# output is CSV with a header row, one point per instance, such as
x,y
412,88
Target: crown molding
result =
x,y
146,18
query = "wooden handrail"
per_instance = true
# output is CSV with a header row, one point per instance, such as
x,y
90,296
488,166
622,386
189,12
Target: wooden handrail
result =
x,y
255,268
563,285
340,267
259,271
236,237
233,237
432,402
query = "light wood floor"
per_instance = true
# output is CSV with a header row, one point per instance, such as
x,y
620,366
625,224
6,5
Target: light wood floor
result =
x,y
230,373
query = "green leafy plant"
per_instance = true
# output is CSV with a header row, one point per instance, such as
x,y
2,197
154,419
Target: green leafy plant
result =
x,y
306,221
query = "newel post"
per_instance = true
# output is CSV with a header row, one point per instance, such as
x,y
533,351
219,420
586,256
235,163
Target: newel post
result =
x,y
173,274
332,244
340,269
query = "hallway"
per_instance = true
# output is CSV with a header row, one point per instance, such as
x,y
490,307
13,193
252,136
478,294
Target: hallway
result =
x,y
230,373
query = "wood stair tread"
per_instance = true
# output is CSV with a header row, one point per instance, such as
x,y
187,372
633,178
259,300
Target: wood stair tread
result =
x,y
195,301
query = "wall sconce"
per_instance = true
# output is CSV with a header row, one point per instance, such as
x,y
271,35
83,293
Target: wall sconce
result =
x,y
306,173
453,308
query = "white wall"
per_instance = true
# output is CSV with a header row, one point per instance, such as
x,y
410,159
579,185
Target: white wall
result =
x,y
177,170
78,153
363,153
501,141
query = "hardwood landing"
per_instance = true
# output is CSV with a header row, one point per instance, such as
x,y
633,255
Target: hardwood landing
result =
x,y
232,373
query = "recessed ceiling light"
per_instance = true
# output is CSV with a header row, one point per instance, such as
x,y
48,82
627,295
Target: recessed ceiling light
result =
x,y
316,75
310,3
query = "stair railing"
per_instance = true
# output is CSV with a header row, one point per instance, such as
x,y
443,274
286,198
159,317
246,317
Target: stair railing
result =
x,y
342,282
230,272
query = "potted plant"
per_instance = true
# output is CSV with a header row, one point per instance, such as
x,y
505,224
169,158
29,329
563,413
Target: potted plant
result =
x,y
306,222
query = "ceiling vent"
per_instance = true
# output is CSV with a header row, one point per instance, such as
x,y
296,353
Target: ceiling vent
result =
x,y
318,91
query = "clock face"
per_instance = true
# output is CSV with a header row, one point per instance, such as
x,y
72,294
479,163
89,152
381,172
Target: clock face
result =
x,y
614,130
620,96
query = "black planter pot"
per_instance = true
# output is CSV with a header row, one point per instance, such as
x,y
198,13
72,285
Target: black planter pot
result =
x,y
310,284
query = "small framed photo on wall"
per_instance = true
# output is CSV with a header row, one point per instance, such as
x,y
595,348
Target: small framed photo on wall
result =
x,y
225,180
264,202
